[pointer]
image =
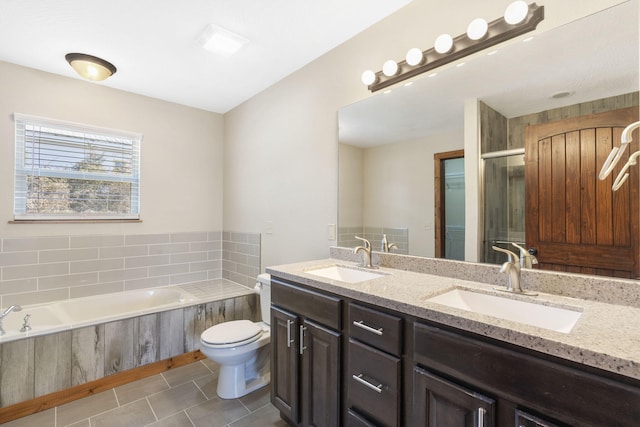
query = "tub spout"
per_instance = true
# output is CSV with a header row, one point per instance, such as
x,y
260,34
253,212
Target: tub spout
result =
x,y
6,313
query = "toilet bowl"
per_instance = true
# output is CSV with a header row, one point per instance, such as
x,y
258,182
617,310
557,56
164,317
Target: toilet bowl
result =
x,y
241,348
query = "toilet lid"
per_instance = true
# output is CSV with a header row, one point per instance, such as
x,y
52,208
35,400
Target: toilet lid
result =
x,y
235,332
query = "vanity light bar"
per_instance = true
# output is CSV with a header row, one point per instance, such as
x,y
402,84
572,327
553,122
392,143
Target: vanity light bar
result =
x,y
497,31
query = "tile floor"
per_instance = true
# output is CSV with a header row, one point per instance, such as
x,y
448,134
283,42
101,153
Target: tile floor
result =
x,y
181,397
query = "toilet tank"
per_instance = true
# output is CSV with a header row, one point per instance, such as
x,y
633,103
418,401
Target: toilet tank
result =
x,y
263,288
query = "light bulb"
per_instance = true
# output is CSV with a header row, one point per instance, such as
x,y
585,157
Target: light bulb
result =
x,y
516,12
368,77
414,56
443,43
477,29
390,68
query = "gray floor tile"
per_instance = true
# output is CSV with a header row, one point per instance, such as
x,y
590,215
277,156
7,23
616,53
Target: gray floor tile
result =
x,y
267,416
186,373
83,423
177,420
217,412
141,388
134,414
176,399
41,419
257,399
72,412
208,385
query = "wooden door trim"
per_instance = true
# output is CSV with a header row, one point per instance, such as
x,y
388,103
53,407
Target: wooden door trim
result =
x,y
438,182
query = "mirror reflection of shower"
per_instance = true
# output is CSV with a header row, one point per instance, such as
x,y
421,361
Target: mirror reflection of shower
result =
x,y
454,208
504,199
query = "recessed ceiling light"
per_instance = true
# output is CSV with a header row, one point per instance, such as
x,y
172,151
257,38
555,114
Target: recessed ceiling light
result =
x,y
221,41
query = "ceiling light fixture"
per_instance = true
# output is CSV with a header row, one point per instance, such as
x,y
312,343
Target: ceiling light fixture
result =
x,y
90,67
519,18
221,41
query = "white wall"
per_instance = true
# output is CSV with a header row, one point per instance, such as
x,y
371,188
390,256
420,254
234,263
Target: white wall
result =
x,y
399,187
351,185
280,155
181,151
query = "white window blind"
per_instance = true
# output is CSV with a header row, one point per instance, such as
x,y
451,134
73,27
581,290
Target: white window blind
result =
x,y
73,171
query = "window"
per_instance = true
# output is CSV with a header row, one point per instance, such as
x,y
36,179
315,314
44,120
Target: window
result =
x,y
72,171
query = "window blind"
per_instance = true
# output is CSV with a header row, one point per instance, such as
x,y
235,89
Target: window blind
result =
x,y
73,171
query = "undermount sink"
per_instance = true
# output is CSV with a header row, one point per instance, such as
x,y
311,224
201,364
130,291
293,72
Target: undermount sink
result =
x,y
345,274
533,314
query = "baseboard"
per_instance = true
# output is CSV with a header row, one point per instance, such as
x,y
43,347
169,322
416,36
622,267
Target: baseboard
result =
x,y
51,400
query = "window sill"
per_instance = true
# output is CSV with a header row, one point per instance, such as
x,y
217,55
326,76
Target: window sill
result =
x,y
72,221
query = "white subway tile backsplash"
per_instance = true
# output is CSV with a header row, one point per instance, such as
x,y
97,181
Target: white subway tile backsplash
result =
x,y
43,269
67,280
61,255
34,243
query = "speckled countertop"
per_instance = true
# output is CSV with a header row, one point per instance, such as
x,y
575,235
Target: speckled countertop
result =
x,y
607,336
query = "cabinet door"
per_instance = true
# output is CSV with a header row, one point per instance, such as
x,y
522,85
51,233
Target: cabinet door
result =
x,y
284,363
320,348
441,403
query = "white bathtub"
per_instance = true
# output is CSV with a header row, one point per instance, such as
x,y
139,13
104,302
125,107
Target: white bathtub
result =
x,y
61,315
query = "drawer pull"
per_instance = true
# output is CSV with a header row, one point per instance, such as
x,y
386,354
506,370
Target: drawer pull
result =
x,y
289,340
361,324
481,412
364,382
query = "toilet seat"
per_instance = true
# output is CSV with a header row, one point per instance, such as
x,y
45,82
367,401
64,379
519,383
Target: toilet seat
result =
x,y
231,334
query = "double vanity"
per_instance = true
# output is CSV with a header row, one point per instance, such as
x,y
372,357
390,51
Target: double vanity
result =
x,y
392,347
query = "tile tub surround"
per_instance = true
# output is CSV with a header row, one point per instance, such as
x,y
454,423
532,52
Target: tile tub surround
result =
x,y
37,366
43,269
606,337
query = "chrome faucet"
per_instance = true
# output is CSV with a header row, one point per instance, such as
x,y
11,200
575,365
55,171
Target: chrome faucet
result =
x,y
6,313
386,246
512,268
366,250
527,259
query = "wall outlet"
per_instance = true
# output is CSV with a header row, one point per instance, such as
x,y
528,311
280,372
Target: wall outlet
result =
x,y
268,227
332,232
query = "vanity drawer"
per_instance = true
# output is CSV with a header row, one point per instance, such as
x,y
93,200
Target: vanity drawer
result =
x,y
374,384
356,420
321,308
380,330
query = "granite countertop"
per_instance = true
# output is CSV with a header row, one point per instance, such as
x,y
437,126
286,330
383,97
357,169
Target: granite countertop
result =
x,y
607,336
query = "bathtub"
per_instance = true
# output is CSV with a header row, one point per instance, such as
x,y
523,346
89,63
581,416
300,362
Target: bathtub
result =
x,y
68,314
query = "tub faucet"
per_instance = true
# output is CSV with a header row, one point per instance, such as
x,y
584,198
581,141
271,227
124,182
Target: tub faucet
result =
x,y
366,252
6,313
512,268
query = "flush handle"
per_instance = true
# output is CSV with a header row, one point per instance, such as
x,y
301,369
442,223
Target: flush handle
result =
x,y
360,324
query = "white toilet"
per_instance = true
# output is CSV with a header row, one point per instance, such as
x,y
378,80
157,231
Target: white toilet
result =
x,y
241,348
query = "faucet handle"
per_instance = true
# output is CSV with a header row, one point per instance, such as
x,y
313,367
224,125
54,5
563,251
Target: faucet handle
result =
x,y
367,244
512,256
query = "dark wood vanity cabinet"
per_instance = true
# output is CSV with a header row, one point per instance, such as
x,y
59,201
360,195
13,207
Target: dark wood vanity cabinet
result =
x,y
374,374
520,382
337,361
305,357
442,403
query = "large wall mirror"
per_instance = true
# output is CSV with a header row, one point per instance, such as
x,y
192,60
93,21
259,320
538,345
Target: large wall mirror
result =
x,y
388,141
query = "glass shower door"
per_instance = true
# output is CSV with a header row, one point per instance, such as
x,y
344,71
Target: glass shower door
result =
x,y
504,199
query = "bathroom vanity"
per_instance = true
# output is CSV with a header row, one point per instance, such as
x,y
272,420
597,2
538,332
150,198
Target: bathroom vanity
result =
x,y
378,352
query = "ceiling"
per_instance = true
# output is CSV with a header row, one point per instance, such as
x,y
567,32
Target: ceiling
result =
x,y
153,43
592,58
